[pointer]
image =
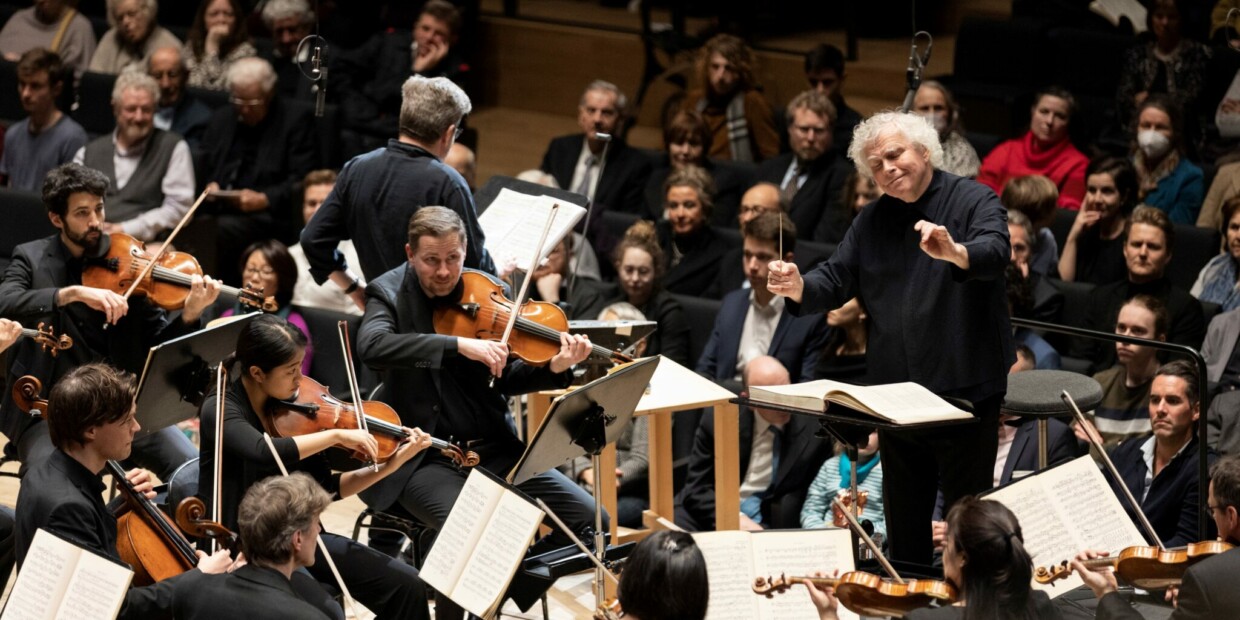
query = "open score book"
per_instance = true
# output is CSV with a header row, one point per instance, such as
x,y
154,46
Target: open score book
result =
x,y
62,581
898,403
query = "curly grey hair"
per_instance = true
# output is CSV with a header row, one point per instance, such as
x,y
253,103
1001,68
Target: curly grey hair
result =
x,y
134,79
917,129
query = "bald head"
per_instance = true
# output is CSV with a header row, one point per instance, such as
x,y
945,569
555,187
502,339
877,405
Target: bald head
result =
x,y
763,371
761,197
168,68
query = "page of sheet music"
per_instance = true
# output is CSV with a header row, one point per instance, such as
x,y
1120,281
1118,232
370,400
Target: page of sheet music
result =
x,y
447,557
799,552
504,542
729,570
514,222
43,578
97,589
906,402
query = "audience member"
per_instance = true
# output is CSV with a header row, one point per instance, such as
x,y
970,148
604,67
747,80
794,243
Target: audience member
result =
x,y
1219,281
290,22
835,479
1034,197
1220,351
584,261
936,103
1025,360
150,171
1224,187
691,248
1223,419
843,358
179,111
1020,305
254,155
551,284
216,40
316,187
1168,63
1124,411
1045,300
47,137
54,25
825,73
461,159
1045,149
612,177
753,322
859,191
268,268
760,198
133,36
1094,249
742,127
1168,180
640,265
779,458
686,141
665,579
811,178
1149,240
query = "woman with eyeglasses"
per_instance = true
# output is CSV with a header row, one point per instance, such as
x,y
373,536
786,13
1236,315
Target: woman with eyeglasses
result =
x,y
269,269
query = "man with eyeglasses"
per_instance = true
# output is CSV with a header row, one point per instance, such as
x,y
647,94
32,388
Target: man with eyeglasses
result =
x,y
178,112
811,178
762,198
289,22
254,155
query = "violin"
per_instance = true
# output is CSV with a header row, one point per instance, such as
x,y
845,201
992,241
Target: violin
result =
x,y
146,540
867,594
166,284
483,312
1148,568
47,339
314,409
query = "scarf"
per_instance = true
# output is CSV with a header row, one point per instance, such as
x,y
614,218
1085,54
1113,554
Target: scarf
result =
x,y
1150,178
1221,286
738,127
863,470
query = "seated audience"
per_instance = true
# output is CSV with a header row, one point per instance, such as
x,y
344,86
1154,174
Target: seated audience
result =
x,y
267,267
47,137
1020,297
691,248
1045,149
665,579
134,35
461,158
825,73
1208,589
1220,351
1219,281
754,322
1223,424
1149,240
936,103
553,277
742,127
686,141
811,178
216,40
859,191
835,479
779,458
179,111
1224,187
1161,471
640,265
150,171
1169,63
260,148
316,186
1034,197
1094,249
290,22
760,198
1168,180
843,358
1124,411
54,25
1045,302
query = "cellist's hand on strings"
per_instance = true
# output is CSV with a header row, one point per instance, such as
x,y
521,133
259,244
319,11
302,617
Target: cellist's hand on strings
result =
x,y
1100,581
491,353
142,482
574,349
216,563
203,291
824,597
785,279
418,441
357,440
111,304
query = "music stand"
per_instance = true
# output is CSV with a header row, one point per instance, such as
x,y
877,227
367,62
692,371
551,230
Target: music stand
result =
x,y
584,421
179,373
615,335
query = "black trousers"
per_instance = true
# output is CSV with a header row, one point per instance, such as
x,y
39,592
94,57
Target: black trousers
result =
x,y
385,585
915,462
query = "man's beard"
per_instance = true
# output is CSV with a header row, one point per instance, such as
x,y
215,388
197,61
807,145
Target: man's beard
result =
x,y
84,240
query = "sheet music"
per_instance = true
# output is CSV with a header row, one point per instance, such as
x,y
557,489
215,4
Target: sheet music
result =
x,y
800,553
729,570
514,223
460,532
61,580
503,545
97,589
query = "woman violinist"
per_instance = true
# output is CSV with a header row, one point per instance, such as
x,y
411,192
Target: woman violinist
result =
x,y
268,362
985,558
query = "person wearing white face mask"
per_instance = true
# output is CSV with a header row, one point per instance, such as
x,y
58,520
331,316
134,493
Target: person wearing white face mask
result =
x,y
936,103
1168,181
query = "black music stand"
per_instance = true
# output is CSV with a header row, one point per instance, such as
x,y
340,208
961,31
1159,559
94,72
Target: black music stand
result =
x,y
615,335
179,373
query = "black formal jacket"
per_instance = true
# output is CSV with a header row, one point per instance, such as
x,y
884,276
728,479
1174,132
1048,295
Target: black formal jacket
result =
x,y
250,591
286,153
190,118
60,495
1187,326
1044,610
431,385
1208,592
1023,456
698,269
803,455
624,173
27,293
1173,500
732,180
816,208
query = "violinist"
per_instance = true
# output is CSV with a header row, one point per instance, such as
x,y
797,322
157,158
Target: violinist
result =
x,y
1209,587
44,283
984,556
442,384
278,521
665,579
267,362
91,421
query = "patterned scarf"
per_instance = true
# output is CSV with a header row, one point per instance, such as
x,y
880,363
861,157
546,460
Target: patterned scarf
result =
x,y
738,127
1151,178
1221,287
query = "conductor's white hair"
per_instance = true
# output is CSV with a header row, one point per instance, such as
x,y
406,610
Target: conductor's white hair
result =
x,y
252,70
915,128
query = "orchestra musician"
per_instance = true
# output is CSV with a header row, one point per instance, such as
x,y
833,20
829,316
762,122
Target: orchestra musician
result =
x,y
43,283
442,384
278,521
268,360
91,421
665,579
954,282
10,331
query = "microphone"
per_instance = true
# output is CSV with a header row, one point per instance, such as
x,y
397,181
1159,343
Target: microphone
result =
x,y
602,137
916,63
319,77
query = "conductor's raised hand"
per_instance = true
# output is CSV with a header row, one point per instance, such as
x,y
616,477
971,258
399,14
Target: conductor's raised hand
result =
x,y
491,353
938,243
785,279
574,349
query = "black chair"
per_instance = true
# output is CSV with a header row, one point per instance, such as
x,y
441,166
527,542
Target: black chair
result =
x,y
10,101
1194,247
94,110
213,99
994,88
1064,218
328,366
809,253
616,222
25,219
700,313
1076,301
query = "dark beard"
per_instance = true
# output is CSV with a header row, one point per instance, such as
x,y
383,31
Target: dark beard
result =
x,y
89,247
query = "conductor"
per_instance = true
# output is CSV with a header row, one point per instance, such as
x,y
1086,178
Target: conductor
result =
x,y
927,259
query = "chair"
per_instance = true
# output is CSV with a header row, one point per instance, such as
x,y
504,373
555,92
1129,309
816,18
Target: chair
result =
x,y
328,366
398,521
995,87
1194,247
809,253
1076,300
25,219
700,313
94,110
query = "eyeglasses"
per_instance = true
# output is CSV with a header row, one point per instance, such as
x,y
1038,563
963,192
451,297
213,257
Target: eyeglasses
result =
x,y
258,271
1209,510
457,136
247,103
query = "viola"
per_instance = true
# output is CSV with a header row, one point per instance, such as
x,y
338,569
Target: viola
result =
x,y
867,594
166,284
47,339
314,409
483,313
1147,568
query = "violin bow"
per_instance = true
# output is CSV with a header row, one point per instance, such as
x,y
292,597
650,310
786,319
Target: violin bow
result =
x,y
869,542
1093,441
221,380
344,590
342,328
146,270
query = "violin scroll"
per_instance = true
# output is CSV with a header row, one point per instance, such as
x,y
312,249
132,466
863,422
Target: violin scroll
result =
x,y
1047,575
48,339
770,586
460,456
